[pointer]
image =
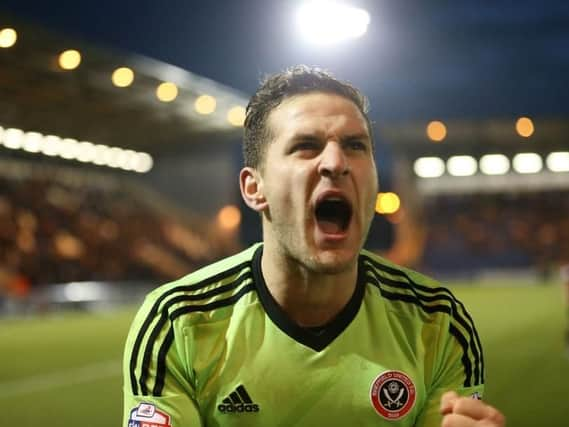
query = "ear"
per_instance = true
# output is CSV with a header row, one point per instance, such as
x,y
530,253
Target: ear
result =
x,y
251,184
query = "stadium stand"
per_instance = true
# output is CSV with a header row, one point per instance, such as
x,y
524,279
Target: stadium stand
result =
x,y
477,223
469,233
61,225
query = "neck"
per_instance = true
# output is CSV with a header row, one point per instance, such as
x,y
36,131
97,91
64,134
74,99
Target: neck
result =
x,y
308,297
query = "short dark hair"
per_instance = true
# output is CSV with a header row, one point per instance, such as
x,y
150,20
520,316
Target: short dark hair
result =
x,y
275,89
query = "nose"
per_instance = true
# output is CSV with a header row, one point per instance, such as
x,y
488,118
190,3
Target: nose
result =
x,y
333,161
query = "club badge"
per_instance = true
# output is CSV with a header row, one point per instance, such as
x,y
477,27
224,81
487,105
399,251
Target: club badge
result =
x,y
392,395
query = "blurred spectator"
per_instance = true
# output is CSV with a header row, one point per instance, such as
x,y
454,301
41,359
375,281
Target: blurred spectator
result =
x,y
497,231
57,230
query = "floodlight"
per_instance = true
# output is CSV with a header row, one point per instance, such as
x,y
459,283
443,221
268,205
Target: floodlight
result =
x,y
86,152
236,116
229,217
8,37
494,164
167,92
32,142
68,148
527,163
387,203
328,22
143,162
436,131
429,167
69,59
524,127
461,166
51,145
205,104
122,77
558,161
13,138
112,157
125,159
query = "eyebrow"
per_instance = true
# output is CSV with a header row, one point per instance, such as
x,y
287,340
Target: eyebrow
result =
x,y
356,136
315,136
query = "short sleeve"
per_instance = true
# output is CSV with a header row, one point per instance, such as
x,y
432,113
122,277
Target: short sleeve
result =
x,y
157,387
459,366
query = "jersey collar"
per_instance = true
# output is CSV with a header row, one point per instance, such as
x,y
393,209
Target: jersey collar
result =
x,y
307,336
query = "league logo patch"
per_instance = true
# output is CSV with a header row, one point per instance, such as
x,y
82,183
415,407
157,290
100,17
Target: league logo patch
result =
x,y
148,415
392,395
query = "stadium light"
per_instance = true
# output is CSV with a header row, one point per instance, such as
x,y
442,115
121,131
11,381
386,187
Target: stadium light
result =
x,y
69,59
524,127
50,145
143,163
71,149
558,161
527,163
229,217
387,203
494,164
8,37
32,142
122,77
13,138
327,22
125,159
86,152
100,154
167,92
205,104
436,131
236,116
112,157
462,166
429,167
68,149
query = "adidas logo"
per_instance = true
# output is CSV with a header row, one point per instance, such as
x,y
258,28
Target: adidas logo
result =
x,y
238,401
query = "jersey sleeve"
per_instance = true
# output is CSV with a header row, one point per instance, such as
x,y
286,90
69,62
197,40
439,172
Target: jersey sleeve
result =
x,y
158,390
459,365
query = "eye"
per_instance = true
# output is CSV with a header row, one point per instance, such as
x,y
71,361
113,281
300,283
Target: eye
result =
x,y
306,145
356,144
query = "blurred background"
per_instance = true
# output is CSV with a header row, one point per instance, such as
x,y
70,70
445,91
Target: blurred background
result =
x,y
120,131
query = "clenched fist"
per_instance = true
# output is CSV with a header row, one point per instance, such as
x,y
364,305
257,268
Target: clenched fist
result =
x,y
467,412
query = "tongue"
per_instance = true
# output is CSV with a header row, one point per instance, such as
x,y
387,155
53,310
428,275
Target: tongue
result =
x,y
329,227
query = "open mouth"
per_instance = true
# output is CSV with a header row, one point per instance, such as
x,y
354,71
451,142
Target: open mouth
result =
x,y
333,215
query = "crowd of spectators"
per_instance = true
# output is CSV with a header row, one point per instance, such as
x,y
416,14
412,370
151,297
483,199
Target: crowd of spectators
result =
x,y
59,228
497,231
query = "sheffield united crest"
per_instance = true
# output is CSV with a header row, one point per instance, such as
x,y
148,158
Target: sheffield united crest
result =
x,y
392,395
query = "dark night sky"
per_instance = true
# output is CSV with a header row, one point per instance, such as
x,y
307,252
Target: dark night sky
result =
x,y
419,59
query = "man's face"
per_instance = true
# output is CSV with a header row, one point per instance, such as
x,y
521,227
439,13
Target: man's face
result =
x,y
319,180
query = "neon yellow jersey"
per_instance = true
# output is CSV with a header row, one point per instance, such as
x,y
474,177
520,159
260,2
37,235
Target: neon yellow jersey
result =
x,y
215,349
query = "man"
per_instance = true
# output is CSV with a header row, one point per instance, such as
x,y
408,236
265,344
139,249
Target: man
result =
x,y
305,329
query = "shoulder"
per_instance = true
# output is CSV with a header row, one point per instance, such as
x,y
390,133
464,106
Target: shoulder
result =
x,y
215,286
412,291
388,274
212,276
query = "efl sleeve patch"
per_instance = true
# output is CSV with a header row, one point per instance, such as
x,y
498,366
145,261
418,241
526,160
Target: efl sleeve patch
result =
x,y
148,415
